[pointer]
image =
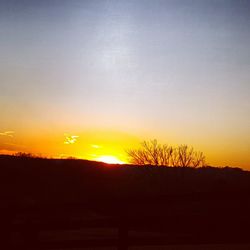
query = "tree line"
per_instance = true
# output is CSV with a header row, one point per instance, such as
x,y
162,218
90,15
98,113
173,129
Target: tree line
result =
x,y
156,154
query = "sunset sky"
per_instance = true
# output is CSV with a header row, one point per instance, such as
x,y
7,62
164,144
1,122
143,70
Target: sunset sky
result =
x,y
93,78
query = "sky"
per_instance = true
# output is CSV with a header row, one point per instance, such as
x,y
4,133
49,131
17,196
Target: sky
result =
x,y
92,78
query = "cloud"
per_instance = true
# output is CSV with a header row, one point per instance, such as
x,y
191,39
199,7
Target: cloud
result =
x,y
95,146
12,147
7,133
7,152
70,139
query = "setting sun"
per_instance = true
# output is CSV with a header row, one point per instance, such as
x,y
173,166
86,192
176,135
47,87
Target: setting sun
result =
x,y
110,159
103,76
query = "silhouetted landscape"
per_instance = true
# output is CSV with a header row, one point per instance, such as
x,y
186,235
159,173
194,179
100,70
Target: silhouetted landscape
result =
x,y
156,205
125,124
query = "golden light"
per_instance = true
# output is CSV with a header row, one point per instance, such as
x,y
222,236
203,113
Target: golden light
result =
x,y
70,139
109,159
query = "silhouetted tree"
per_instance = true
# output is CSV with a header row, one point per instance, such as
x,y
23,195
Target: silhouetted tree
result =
x,y
153,153
199,159
24,155
185,155
174,158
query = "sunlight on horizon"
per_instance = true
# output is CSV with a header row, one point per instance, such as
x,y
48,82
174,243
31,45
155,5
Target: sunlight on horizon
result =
x,y
91,79
109,159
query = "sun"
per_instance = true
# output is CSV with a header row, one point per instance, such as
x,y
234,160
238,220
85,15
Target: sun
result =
x,y
110,159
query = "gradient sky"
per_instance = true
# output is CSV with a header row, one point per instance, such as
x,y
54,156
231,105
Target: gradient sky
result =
x,y
113,73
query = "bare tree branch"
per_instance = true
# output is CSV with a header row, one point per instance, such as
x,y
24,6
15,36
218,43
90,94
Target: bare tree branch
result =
x,y
153,153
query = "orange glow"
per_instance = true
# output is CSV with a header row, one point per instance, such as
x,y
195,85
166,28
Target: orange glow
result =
x,y
100,144
109,159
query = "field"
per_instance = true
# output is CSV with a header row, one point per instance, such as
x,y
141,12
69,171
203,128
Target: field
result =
x,y
75,203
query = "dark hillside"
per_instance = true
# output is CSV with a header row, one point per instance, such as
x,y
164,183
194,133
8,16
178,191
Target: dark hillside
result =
x,y
35,181
179,205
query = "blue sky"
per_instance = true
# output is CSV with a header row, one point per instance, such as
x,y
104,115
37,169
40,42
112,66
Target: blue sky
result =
x,y
173,70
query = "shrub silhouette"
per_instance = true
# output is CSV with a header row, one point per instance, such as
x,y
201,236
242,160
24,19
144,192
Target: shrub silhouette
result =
x,y
156,154
24,155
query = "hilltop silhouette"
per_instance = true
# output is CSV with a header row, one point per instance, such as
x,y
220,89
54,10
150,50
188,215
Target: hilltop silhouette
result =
x,y
184,205
71,180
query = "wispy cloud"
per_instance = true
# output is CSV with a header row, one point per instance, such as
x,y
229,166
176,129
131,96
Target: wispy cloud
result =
x,y
70,139
12,147
95,146
7,152
16,145
7,133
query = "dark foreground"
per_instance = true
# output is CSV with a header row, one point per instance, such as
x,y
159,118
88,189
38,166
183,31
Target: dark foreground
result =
x,y
57,204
